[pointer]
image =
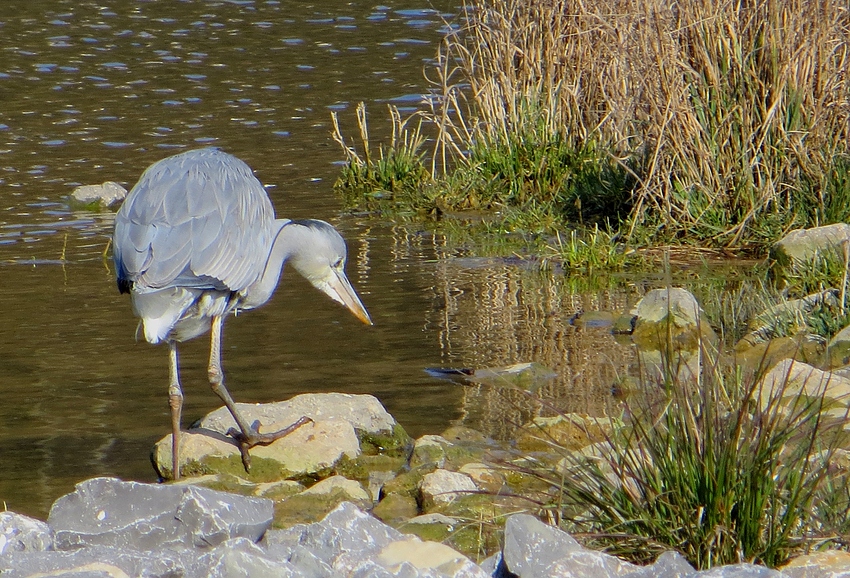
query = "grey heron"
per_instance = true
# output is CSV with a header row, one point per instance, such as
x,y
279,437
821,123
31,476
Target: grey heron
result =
x,y
197,239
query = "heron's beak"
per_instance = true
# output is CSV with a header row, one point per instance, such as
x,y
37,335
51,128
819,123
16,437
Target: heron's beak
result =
x,y
340,290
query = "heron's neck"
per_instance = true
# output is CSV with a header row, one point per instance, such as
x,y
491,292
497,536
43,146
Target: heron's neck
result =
x,y
284,245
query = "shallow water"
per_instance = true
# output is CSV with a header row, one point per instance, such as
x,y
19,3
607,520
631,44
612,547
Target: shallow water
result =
x,y
96,91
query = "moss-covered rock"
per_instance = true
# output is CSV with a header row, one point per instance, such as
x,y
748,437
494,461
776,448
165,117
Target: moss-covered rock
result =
x,y
396,508
406,483
393,442
563,432
317,501
429,450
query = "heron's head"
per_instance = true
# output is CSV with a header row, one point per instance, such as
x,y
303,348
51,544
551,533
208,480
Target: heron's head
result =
x,y
320,258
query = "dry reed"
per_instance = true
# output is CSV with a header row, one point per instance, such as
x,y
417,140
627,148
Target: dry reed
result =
x,y
730,116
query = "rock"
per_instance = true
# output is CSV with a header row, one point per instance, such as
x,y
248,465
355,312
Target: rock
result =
x,y
458,434
790,317
429,450
95,562
624,324
395,509
567,431
805,245
364,412
443,487
107,194
345,529
353,491
673,303
485,478
317,501
279,490
761,357
313,447
529,376
740,571
241,557
109,512
668,565
23,534
524,552
658,366
670,314
425,556
353,543
405,484
432,451
535,550
434,519
817,564
839,349
344,426
594,319
796,382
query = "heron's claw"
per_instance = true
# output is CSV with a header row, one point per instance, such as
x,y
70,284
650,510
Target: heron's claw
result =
x,y
246,441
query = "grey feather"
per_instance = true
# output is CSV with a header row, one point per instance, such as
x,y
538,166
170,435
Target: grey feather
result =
x,y
206,191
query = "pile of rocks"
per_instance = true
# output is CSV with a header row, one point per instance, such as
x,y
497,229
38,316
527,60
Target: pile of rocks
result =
x,y
110,528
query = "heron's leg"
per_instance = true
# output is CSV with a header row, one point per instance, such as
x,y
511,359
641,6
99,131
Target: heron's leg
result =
x,y
249,436
216,375
175,402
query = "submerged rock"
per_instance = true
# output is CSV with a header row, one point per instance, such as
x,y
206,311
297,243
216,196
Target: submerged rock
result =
x,y
670,317
529,376
106,194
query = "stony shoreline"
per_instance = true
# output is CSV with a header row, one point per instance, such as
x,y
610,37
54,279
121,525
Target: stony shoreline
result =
x,y
348,495
111,528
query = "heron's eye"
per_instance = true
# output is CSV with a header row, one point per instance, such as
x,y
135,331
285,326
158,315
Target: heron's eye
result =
x,y
338,263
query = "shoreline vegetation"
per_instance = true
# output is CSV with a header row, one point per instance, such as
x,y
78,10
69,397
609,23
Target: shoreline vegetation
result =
x,y
714,124
597,134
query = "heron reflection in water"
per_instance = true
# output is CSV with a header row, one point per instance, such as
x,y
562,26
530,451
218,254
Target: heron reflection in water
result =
x,y
197,239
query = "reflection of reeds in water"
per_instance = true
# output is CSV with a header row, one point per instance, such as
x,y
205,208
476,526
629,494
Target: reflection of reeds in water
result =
x,y
489,313
497,314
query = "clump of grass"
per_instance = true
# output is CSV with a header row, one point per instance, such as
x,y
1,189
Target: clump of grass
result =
x,y
713,471
395,177
590,252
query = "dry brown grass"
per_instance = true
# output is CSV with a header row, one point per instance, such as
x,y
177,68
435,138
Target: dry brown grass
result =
x,y
729,114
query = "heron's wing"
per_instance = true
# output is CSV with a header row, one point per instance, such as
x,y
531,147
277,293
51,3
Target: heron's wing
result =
x,y
199,219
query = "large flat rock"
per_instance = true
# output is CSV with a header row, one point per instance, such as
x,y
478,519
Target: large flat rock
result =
x,y
364,412
313,447
110,512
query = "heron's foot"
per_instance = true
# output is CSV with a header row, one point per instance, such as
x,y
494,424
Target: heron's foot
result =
x,y
255,438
